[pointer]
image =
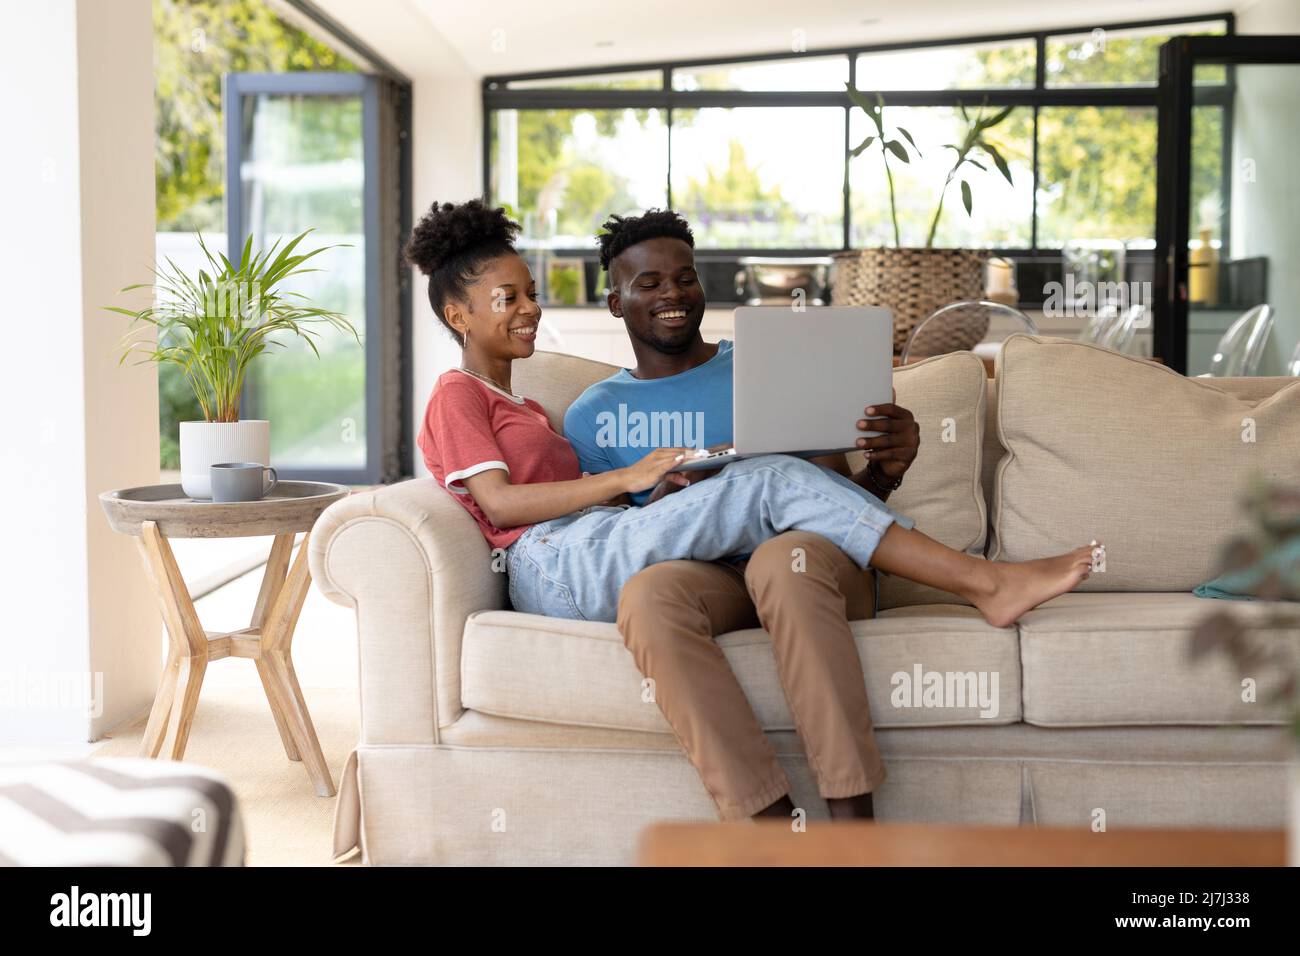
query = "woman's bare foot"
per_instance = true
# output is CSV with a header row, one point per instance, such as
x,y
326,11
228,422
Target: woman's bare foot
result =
x,y
1020,587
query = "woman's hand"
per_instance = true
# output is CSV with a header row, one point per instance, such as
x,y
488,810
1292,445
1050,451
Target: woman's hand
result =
x,y
677,480
647,472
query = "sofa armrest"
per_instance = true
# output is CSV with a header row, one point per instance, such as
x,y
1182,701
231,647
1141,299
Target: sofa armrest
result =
x,y
414,566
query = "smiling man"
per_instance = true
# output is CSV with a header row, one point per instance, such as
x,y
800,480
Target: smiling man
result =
x,y
798,586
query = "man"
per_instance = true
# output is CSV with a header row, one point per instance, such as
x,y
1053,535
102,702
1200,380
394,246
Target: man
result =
x,y
798,586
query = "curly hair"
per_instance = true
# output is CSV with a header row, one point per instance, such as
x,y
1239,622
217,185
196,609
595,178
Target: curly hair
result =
x,y
452,243
622,232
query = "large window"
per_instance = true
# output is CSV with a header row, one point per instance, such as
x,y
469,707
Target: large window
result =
x,y
1095,176
1001,213
762,177
756,152
562,171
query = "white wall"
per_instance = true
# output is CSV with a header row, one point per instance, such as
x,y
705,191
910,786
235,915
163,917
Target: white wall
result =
x,y
1265,212
76,184
1268,16
446,167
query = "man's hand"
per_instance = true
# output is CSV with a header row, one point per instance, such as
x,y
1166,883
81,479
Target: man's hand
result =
x,y
893,452
673,481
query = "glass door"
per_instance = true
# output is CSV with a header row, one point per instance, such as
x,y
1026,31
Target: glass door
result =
x,y
302,153
1228,214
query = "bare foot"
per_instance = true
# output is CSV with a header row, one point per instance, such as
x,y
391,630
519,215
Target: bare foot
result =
x,y
1024,585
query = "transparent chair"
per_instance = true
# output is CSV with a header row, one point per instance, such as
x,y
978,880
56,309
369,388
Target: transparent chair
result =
x,y
1112,327
1241,349
1293,366
958,327
1098,323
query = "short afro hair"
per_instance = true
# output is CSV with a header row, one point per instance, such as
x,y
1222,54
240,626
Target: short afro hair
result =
x,y
623,232
452,243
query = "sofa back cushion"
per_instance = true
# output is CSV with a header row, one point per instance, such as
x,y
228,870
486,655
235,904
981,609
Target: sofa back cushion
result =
x,y
942,491
554,380
1108,446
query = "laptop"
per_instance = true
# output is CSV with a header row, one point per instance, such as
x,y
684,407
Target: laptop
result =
x,y
802,380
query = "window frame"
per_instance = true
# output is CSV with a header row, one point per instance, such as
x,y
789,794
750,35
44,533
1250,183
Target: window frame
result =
x,y
385,446
497,95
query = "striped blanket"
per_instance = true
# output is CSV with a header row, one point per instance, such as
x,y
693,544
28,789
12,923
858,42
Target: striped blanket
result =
x,y
117,812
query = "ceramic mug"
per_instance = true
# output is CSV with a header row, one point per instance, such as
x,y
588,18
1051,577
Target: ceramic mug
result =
x,y
241,481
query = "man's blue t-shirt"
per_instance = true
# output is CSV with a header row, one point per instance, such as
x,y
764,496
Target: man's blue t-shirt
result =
x,y
616,422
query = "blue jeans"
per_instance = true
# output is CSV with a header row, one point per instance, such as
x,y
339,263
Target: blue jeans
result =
x,y
576,566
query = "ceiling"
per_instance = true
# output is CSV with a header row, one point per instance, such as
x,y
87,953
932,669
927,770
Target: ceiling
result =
x,y
517,36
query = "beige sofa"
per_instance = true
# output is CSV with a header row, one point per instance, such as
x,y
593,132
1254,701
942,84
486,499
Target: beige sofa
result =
x,y
489,736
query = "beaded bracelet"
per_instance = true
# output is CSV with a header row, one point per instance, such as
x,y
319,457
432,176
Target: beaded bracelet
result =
x,y
880,486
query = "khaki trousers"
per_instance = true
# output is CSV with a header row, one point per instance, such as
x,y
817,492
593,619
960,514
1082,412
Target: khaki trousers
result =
x,y
803,591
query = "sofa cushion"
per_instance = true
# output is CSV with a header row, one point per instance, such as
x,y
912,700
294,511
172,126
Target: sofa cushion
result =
x,y
554,380
578,672
942,491
1107,446
1122,659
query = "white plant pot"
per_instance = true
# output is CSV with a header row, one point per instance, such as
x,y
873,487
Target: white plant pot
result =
x,y
204,444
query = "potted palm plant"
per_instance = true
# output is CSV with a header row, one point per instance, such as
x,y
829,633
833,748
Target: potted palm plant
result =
x,y
214,325
914,282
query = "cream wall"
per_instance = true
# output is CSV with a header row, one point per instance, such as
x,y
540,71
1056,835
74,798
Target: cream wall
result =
x,y
76,180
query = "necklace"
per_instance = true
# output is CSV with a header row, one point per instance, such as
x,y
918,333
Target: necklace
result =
x,y
484,378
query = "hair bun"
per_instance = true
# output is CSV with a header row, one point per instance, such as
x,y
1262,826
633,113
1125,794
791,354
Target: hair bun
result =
x,y
449,229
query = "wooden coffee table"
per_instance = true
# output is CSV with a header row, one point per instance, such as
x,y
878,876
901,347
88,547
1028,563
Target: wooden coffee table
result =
x,y
155,513
773,843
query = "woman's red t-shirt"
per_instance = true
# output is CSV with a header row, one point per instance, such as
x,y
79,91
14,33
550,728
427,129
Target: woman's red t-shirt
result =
x,y
471,427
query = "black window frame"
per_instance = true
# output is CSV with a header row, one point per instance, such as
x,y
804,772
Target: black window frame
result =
x,y
1180,96
497,95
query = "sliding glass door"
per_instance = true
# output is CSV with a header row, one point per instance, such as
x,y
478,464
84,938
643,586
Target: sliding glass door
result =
x,y
304,152
1228,212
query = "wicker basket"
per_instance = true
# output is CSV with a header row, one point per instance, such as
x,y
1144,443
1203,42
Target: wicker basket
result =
x,y
913,284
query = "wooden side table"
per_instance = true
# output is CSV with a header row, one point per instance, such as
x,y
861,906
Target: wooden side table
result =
x,y
155,513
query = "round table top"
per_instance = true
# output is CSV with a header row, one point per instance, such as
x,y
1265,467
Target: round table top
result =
x,y
291,506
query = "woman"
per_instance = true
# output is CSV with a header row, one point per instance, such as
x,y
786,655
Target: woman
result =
x,y
571,540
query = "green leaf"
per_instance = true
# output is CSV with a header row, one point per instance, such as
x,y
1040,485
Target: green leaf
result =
x,y
998,161
996,118
908,136
895,147
857,150
864,102
965,196
977,164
